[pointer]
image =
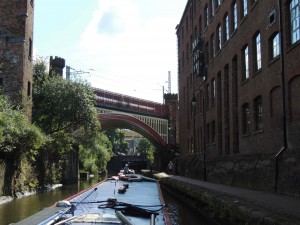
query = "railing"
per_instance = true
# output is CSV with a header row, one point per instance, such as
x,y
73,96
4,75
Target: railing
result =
x,y
128,103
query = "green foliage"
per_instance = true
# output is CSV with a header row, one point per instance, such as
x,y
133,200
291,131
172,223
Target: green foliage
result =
x,y
27,178
95,153
64,110
117,138
39,73
19,145
55,153
146,148
63,105
18,135
150,155
143,146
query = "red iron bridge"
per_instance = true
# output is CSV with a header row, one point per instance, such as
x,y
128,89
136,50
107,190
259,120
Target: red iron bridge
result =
x,y
148,118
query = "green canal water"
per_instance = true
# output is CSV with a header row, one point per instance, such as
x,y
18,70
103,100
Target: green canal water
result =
x,y
21,208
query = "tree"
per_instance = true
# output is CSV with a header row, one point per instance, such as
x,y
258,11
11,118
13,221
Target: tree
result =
x,y
66,111
143,146
20,140
146,148
95,153
117,138
63,105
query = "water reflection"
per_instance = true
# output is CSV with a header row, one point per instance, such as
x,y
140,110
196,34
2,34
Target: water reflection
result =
x,y
180,214
19,209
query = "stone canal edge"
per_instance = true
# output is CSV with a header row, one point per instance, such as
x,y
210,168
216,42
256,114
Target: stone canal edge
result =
x,y
219,207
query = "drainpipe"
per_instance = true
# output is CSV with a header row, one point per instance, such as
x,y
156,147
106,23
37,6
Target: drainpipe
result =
x,y
284,128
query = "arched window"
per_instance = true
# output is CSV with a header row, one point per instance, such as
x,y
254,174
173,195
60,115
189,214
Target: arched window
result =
x,y
258,113
257,52
295,20
274,45
245,63
245,119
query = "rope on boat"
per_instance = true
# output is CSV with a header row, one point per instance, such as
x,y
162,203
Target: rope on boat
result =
x,y
133,210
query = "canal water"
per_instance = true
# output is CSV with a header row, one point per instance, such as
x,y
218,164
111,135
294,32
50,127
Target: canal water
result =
x,y
19,209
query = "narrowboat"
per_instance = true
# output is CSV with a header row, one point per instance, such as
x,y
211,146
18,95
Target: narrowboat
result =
x,y
130,199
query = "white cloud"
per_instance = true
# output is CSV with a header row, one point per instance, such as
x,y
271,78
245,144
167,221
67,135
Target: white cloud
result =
x,y
129,52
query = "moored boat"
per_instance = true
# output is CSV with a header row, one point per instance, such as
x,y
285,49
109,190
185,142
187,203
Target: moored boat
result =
x,y
112,201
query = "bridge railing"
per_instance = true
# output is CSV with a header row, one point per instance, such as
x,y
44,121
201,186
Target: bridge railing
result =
x,y
130,104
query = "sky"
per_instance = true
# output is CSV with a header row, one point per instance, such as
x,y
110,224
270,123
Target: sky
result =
x,y
124,46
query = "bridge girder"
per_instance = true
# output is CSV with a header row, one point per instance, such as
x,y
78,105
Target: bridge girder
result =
x,y
123,121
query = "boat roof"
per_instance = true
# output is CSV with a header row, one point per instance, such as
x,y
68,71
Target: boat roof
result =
x,y
108,202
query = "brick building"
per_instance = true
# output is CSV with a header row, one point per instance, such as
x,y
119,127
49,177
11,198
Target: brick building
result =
x,y
16,40
239,111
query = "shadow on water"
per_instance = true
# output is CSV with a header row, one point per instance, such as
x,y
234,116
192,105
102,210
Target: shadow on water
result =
x,y
180,214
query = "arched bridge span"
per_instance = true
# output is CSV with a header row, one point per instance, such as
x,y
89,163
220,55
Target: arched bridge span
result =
x,y
123,121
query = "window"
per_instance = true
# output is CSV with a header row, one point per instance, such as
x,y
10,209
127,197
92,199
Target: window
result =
x,y
200,26
226,28
244,6
206,51
205,16
28,89
245,62
245,119
219,37
234,16
258,117
212,8
207,96
218,3
213,132
30,49
257,55
295,20
213,91
212,46
275,46
272,18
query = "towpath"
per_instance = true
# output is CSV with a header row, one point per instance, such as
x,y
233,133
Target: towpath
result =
x,y
269,208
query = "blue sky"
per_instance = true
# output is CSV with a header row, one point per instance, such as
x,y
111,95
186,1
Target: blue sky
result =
x,y
127,46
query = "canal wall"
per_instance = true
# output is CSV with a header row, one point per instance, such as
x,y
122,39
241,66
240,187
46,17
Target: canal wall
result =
x,y
218,207
2,172
251,171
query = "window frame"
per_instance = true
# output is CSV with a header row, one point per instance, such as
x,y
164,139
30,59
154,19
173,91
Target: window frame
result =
x,y
274,46
244,8
245,63
258,113
257,52
219,37
206,16
294,5
226,31
245,119
234,17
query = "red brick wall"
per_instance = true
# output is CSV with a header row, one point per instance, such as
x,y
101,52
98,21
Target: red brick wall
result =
x,y
16,38
232,92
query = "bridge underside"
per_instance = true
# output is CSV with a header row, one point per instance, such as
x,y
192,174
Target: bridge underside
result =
x,y
113,121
